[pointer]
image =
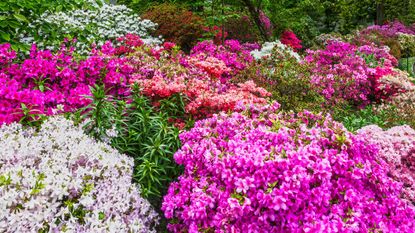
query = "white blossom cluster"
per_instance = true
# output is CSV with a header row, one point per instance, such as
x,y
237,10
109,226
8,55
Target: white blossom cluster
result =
x,y
271,47
58,179
407,43
93,26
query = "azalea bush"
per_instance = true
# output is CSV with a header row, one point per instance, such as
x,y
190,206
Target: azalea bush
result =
x,y
58,179
268,171
201,79
289,38
276,47
395,35
90,27
285,77
16,17
235,55
241,28
345,72
397,147
46,83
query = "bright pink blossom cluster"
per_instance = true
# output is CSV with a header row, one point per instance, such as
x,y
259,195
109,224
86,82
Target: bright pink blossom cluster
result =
x,y
289,38
397,147
391,29
266,171
44,81
343,71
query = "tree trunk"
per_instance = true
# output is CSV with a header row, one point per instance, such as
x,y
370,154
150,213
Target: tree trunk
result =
x,y
380,12
254,12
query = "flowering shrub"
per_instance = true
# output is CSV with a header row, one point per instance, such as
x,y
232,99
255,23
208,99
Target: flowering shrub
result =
x,y
275,47
203,92
288,80
58,179
270,172
266,23
388,34
236,56
289,38
46,83
391,29
397,147
343,71
401,107
91,26
176,24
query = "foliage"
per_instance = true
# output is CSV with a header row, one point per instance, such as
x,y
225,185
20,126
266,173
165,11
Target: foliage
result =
x,y
355,120
241,28
134,127
264,170
176,24
58,179
408,65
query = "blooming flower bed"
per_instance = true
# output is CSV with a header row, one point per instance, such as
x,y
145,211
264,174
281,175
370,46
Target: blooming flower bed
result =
x,y
270,172
343,71
58,179
397,147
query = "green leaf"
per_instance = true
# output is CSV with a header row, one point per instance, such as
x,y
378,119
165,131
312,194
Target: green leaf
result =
x,y
5,36
20,17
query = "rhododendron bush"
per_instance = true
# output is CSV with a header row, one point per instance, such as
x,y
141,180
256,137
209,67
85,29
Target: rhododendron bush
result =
x,y
267,171
343,71
47,81
289,38
58,179
235,55
397,147
201,78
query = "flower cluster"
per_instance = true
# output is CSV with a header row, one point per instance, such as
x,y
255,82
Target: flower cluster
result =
x,y
343,71
289,38
397,147
389,35
42,82
92,26
236,56
211,65
275,47
267,171
400,107
58,179
391,29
